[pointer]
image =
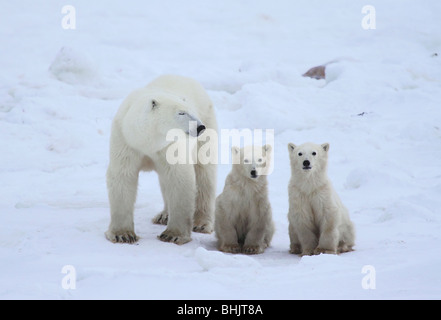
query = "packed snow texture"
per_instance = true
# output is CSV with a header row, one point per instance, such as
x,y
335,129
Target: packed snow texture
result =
x,y
379,108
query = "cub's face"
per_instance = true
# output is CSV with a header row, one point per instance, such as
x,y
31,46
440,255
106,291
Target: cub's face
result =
x,y
309,157
252,161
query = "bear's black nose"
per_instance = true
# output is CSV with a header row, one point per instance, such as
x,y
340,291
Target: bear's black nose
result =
x,y
306,163
200,129
253,173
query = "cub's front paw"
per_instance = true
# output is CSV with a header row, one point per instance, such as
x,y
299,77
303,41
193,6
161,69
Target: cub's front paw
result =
x,y
252,249
307,252
230,248
295,249
322,250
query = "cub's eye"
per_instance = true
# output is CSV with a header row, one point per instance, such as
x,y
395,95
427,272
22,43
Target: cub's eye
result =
x,y
259,160
314,153
181,113
300,154
246,161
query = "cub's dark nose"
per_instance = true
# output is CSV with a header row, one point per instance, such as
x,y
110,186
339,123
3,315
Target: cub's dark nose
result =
x,y
201,128
253,173
306,163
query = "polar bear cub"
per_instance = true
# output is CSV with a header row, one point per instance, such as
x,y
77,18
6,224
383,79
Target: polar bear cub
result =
x,y
243,217
318,220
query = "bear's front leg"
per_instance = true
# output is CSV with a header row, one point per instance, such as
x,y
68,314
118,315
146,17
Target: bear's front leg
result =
x,y
122,189
328,241
205,199
295,247
329,235
179,185
308,239
254,241
122,186
162,217
226,232
261,229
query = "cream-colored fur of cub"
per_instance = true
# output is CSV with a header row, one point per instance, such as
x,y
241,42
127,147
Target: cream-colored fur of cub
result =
x,y
318,220
243,222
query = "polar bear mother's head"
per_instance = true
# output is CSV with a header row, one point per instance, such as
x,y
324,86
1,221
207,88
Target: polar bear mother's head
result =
x,y
151,116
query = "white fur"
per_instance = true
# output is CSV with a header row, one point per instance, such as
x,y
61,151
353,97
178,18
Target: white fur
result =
x,y
318,220
138,142
243,211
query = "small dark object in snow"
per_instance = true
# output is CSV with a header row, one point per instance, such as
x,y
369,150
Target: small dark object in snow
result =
x,y
362,114
435,55
319,72
316,72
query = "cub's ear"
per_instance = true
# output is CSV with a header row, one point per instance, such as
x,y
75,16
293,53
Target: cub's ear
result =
x,y
154,104
235,155
291,147
267,148
235,150
325,146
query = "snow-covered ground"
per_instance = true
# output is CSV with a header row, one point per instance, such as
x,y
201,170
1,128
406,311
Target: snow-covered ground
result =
x,y
380,110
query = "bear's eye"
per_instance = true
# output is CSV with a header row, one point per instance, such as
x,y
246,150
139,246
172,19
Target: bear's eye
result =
x,y
314,153
181,113
259,160
300,154
246,161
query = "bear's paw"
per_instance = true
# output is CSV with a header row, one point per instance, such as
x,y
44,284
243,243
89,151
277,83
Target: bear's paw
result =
x,y
174,237
230,248
122,237
318,251
203,228
250,249
161,218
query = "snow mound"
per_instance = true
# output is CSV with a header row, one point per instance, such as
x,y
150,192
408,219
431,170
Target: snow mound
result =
x,y
334,71
368,177
73,67
209,260
357,178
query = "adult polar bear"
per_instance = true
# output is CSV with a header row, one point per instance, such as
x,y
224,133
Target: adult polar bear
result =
x,y
138,142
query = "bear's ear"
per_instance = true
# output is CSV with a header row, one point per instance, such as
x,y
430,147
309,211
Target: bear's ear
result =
x,y
235,155
291,147
154,104
267,148
325,146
